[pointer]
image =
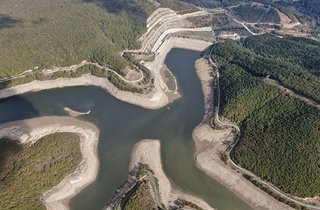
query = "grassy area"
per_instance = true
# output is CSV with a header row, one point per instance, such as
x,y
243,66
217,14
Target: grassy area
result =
x,y
280,134
27,171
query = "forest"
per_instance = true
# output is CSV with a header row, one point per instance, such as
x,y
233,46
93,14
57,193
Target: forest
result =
x,y
27,171
307,11
294,72
49,33
255,14
280,139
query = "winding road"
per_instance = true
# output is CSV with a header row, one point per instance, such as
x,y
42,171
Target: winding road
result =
x,y
232,163
73,68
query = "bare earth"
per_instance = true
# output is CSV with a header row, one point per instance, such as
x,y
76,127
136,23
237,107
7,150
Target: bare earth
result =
x,y
74,113
148,152
31,130
211,145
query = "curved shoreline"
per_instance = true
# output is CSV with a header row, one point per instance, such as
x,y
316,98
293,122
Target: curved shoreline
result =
x,y
155,100
74,113
159,99
29,131
148,152
211,145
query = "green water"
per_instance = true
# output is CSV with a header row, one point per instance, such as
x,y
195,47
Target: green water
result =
x,y
122,125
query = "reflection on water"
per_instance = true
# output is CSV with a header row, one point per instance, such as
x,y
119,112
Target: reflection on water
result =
x,y
122,125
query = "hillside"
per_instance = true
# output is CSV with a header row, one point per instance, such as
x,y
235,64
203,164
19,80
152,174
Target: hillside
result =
x,y
255,13
27,171
280,133
304,11
49,33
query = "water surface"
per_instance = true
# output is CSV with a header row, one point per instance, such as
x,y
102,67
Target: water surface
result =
x,y
122,125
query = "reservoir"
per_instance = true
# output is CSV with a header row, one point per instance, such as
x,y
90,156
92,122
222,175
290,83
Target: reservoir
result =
x,y
122,125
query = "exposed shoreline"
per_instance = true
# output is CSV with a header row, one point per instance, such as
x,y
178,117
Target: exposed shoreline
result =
x,y
53,199
211,145
29,131
33,129
148,152
74,113
155,100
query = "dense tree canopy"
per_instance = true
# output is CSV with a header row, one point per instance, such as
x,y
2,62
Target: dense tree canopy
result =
x,y
280,139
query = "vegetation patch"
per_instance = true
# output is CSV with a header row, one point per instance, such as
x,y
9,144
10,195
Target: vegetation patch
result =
x,y
142,198
63,33
273,194
292,71
215,3
29,170
182,203
179,6
280,134
46,33
256,13
280,143
222,23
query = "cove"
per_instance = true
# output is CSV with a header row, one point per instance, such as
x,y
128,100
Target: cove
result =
x,y
122,125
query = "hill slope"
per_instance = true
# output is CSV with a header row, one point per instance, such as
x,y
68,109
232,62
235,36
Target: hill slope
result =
x,y
47,33
280,134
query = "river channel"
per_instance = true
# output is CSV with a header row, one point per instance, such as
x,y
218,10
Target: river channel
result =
x,y
122,125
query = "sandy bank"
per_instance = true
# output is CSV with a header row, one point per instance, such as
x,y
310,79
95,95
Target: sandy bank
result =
x,y
156,99
74,113
148,152
31,130
212,144
157,65
205,75
153,101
